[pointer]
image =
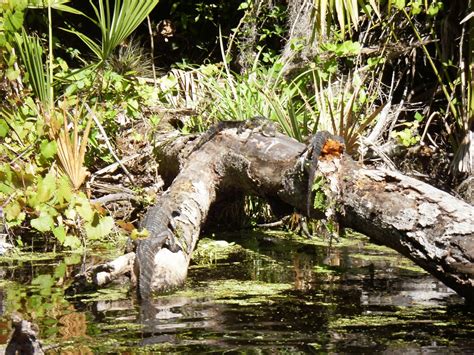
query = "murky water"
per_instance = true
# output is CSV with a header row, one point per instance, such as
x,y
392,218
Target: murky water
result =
x,y
270,296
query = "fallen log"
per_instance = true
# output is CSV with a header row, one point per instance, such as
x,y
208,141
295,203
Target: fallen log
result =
x,y
429,226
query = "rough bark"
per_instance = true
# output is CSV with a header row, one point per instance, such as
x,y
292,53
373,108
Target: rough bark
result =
x,y
429,226
229,161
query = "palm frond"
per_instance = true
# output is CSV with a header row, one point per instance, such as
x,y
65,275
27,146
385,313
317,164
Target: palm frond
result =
x,y
115,25
71,146
31,53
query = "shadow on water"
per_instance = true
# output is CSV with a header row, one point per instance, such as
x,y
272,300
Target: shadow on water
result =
x,y
264,293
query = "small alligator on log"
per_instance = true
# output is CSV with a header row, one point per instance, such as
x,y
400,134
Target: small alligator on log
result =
x,y
257,123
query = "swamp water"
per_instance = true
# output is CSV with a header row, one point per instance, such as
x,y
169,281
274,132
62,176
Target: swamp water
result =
x,y
264,294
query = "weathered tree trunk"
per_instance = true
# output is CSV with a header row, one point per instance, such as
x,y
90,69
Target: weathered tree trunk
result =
x,y
429,226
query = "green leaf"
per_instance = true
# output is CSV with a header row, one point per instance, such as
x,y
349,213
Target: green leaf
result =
x,y
93,46
46,188
72,242
3,40
43,223
6,189
416,7
243,6
419,117
3,128
60,233
319,202
32,56
60,271
48,149
72,259
434,8
64,192
43,281
348,48
12,74
100,229
14,22
399,4
70,213
12,210
84,209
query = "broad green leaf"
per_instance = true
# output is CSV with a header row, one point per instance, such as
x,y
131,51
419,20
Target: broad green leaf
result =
x,y
416,7
43,223
12,210
43,281
3,128
100,229
46,188
72,242
419,117
399,4
48,149
48,209
72,259
348,48
64,192
133,105
12,74
60,271
70,214
14,21
84,208
18,221
60,233
6,189
3,40
434,8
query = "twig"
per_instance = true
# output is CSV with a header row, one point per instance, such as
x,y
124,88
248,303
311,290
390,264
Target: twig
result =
x,y
181,111
114,197
433,115
19,156
272,224
152,46
114,166
107,142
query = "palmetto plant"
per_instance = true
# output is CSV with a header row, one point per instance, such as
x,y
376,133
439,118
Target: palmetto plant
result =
x,y
223,95
345,12
63,125
31,53
341,112
348,13
71,146
115,24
